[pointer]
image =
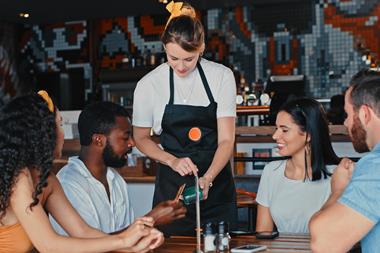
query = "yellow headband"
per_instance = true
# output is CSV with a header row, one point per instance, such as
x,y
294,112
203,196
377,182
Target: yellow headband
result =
x,y
177,9
47,99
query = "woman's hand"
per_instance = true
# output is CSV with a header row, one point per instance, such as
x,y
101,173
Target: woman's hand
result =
x,y
183,166
135,233
205,183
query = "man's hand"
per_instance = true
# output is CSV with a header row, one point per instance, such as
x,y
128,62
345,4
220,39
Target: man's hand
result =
x,y
342,176
167,211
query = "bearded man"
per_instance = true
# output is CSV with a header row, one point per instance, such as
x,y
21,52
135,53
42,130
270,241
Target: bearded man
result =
x,y
352,213
91,181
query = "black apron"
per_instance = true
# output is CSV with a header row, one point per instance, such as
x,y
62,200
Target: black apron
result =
x,y
176,122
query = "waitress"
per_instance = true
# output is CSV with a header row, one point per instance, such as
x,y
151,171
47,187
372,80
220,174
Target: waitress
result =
x,y
190,102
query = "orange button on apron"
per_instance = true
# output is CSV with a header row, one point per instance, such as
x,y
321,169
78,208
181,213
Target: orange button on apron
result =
x,y
195,134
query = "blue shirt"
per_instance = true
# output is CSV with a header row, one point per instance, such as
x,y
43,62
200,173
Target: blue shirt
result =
x,y
363,195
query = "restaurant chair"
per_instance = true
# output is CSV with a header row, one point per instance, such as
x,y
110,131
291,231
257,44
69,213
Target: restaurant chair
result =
x,y
247,199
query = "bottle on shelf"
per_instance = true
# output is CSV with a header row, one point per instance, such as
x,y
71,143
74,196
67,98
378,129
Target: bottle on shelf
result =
x,y
152,58
144,56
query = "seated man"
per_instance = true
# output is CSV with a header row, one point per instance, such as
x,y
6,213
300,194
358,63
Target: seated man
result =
x,y
92,185
352,213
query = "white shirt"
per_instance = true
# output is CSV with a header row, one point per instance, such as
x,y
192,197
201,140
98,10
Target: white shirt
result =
x,y
152,93
89,197
291,202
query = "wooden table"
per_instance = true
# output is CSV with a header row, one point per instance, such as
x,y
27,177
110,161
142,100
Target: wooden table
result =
x,y
284,243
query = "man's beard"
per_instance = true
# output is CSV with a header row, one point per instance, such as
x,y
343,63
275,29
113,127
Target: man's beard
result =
x,y
358,136
111,159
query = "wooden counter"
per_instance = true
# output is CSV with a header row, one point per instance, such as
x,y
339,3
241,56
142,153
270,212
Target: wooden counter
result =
x,y
284,243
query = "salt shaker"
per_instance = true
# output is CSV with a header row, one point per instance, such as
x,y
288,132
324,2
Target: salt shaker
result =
x,y
209,237
223,237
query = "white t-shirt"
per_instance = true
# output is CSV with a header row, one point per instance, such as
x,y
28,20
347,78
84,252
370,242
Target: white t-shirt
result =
x,y
291,202
89,197
153,91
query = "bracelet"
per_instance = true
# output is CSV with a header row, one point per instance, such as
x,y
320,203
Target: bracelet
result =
x,y
210,184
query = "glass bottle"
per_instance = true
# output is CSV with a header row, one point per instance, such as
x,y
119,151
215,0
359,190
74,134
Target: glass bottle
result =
x,y
209,237
223,237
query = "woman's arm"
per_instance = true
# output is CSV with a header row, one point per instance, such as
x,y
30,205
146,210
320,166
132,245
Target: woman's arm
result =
x,y
264,221
183,166
36,224
226,139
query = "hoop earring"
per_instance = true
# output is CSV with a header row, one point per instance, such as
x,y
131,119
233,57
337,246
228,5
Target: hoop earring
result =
x,y
307,149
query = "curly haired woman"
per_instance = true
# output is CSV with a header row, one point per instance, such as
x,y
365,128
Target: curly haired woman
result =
x,y
30,137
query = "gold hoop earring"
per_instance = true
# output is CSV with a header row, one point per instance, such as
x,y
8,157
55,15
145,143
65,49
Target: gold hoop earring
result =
x,y
308,148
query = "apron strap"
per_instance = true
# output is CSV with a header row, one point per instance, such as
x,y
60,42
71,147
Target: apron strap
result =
x,y
205,83
171,77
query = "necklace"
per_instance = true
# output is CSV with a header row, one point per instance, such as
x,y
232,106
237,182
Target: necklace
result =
x,y
182,93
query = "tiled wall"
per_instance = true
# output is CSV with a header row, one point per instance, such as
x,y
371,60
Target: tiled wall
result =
x,y
324,40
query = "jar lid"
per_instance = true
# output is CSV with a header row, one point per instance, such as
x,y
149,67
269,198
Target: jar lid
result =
x,y
223,227
209,228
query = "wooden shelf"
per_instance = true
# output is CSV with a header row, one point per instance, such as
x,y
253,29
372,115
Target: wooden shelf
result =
x,y
252,109
264,134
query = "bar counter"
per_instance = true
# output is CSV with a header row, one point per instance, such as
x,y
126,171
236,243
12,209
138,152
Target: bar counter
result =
x,y
284,243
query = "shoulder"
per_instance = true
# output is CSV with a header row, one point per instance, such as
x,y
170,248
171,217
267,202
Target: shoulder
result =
x,y
72,174
24,180
214,68
372,159
275,166
161,72
274,170
368,167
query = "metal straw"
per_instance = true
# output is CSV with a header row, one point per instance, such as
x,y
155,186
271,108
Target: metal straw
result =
x,y
198,215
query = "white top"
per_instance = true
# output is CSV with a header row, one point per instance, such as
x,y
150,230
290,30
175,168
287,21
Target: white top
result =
x,y
89,197
291,202
152,93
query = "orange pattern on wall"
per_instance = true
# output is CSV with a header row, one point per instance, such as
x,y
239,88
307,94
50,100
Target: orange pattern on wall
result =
x,y
148,26
282,68
215,44
240,20
358,26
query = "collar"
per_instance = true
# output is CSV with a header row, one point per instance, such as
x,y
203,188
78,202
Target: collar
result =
x,y
82,169
376,147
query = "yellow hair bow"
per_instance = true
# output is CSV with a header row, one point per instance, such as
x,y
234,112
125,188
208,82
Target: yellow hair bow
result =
x,y
179,8
47,99
174,9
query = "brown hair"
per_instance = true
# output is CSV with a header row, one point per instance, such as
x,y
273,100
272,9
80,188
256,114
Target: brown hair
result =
x,y
186,31
366,89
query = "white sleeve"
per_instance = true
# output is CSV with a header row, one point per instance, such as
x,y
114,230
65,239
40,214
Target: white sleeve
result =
x,y
130,214
263,193
143,104
81,202
227,95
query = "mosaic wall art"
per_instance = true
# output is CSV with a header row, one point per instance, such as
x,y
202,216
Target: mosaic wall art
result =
x,y
327,41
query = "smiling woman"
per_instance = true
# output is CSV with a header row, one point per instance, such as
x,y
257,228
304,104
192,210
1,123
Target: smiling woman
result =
x,y
190,102
292,190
